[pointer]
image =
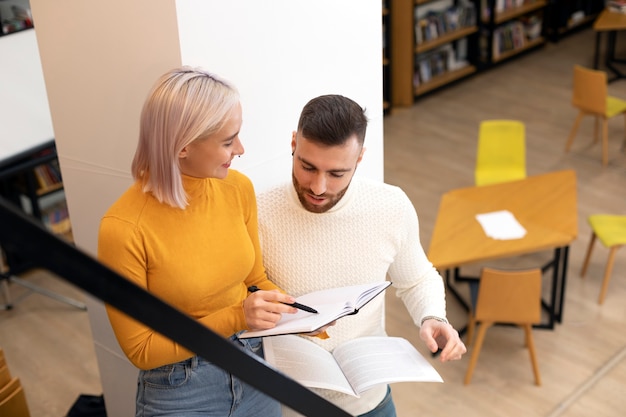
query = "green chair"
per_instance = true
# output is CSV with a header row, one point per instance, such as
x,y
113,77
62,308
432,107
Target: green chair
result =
x,y
501,154
611,231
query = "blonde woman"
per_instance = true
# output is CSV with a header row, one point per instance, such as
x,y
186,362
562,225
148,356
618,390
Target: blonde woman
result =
x,y
186,231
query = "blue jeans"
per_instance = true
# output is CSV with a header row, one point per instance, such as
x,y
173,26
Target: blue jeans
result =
x,y
384,409
197,387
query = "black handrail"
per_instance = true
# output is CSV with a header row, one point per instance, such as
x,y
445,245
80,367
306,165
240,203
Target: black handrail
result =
x,y
20,234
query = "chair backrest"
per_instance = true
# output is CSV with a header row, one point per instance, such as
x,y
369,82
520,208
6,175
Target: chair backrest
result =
x,y
501,153
509,296
590,90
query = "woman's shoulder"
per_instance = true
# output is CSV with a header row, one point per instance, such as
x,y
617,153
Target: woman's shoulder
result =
x,y
239,180
235,177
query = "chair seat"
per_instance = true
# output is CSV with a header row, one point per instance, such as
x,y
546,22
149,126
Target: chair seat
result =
x,y
614,106
610,228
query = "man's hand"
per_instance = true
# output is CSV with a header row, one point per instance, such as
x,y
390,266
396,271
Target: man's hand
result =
x,y
263,309
439,335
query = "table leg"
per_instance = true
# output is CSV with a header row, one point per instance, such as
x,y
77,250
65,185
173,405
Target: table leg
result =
x,y
596,57
563,281
453,290
610,57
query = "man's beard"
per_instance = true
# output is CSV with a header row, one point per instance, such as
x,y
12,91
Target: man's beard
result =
x,y
332,200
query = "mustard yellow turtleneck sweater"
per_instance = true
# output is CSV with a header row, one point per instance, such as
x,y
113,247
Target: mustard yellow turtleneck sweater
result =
x,y
200,260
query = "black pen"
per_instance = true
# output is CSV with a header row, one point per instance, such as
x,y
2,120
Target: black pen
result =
x,y
254,288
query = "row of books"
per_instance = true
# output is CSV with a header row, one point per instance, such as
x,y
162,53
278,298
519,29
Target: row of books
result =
x,y
57,219
435,63
515,35
501,6
437,23
48,175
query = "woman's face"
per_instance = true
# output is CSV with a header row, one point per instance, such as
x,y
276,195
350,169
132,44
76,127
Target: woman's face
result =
x,y
210,157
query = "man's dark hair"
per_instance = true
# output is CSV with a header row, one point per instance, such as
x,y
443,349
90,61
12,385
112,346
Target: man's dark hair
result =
x,y
332,119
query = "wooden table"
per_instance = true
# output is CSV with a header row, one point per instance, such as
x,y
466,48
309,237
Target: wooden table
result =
x,y
545,205
609,22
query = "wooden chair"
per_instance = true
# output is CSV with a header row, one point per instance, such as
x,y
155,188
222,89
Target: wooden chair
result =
x,y
512,297
590,97
12,397
501,154
611,231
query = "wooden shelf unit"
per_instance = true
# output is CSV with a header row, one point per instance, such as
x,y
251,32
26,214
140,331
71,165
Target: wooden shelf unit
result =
x,y
509,29
32,181
406,52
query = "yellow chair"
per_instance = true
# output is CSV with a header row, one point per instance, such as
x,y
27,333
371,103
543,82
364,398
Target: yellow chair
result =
x,y
591,98
611,230
512,297
501,154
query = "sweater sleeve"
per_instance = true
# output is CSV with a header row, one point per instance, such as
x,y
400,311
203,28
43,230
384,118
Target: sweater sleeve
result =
x,y
418,283
120,247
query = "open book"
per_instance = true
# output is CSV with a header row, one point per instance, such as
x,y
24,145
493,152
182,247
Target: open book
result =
x,y
331,305
353,367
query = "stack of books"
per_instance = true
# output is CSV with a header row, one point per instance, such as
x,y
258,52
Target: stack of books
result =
x,y
618,6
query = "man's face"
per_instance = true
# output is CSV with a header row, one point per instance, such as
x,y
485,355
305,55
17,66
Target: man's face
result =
x,y
321,174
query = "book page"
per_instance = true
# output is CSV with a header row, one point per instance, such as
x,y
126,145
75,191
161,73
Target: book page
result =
x,y
354,296
369,361
305,362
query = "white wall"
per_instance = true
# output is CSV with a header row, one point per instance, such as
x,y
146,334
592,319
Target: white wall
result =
x,y
282,53
24,114
100,57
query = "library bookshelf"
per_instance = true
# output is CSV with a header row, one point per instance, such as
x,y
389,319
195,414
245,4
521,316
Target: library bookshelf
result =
x,y
433,43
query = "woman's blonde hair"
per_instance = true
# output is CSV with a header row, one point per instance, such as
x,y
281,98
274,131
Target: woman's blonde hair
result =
x,y
185,104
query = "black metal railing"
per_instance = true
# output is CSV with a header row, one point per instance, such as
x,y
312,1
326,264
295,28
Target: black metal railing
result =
x,y
20,234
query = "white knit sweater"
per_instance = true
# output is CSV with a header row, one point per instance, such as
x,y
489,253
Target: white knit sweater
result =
x,y
372,233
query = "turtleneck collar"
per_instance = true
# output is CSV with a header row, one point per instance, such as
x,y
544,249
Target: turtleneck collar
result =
x,y
195,186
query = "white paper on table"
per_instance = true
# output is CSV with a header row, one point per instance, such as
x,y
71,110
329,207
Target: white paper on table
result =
x,y
501,225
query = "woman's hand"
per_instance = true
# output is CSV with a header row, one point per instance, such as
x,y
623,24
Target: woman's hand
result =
x,y
263,309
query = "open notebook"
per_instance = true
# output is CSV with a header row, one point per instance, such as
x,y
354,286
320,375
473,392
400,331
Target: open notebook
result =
x,y
331,304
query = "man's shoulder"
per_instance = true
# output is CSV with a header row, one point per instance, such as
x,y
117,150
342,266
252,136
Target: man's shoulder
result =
x,y
377,186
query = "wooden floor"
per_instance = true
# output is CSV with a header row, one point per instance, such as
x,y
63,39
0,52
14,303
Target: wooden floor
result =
x,y
430,149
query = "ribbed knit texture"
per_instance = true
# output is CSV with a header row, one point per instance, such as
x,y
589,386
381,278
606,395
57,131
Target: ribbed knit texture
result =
x,y
370,234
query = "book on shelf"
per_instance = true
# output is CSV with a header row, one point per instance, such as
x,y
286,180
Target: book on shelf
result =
x,y
439,61
432,24
56,218
331,304
353,367
47,175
